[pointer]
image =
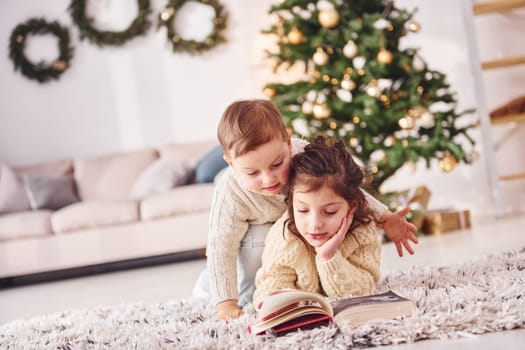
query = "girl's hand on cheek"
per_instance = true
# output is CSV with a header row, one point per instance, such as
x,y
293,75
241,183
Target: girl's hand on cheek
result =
x,y
328,249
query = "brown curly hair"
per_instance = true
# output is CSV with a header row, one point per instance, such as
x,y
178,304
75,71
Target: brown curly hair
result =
x,y
327,162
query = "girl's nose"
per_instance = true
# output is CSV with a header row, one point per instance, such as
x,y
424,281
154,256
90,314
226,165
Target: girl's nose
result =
x,y
316,223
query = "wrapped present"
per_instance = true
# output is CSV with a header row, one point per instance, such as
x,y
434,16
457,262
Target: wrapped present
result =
x,y
416,198
445,220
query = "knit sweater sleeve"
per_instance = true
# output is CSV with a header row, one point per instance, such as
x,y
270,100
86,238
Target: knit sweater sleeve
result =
x,y
227,227
376,206
354,269
277,271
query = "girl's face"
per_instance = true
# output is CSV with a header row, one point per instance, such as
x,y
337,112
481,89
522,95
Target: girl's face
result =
x,y
318,214
265,169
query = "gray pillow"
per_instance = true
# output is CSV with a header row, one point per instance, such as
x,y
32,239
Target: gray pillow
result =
x,y
161,176
13,197
49,192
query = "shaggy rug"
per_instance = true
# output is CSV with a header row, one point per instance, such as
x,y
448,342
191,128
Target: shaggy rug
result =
x,y
479,296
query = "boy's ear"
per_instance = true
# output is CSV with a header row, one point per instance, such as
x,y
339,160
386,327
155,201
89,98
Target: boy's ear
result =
x,y
227,160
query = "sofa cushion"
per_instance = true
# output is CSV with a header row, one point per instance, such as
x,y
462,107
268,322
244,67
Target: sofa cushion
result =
x,y
49,192
112,176
13,196
191,151
180,200
210,165
95,213
25,224
55,168
161,176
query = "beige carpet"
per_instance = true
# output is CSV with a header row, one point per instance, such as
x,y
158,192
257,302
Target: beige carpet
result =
x,y
479,296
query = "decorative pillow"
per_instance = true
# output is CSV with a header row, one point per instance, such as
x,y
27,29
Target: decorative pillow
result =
x,y
161,176
49,192
13,197
210,165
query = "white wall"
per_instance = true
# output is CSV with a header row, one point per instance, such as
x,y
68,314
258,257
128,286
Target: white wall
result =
x,y
118,98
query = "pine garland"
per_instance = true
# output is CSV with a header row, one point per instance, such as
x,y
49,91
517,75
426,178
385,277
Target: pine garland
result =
x,y
167,19
41,71
139,26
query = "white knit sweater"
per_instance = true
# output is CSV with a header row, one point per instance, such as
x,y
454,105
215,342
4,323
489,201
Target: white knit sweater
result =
x,y
288,262
233,209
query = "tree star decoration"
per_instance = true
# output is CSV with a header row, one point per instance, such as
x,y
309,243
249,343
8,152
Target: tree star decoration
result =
x,y
41,71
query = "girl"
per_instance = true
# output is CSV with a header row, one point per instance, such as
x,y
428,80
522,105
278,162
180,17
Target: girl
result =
x,y
326,242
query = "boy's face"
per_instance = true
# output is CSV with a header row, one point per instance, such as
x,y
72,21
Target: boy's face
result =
x,y
265,169
319,214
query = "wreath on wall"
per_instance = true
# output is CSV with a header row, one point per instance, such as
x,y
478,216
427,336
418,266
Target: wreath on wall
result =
x,y
42,71
167,19
139,26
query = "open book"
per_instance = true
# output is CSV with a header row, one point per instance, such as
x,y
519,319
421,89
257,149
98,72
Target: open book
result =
x,y
288,310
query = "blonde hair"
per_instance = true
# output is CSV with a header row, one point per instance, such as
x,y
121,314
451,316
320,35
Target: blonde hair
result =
x,y
248,124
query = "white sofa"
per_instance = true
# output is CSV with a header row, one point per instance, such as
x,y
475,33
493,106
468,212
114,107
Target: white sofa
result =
x,y
130,207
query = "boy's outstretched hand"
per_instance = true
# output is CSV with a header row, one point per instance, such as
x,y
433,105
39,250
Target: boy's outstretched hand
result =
x,y
399,230
228,309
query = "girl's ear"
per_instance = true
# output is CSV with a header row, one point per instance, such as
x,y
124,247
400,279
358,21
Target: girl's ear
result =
x,y
352,210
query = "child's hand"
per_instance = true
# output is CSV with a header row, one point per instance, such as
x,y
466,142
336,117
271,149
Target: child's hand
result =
x,y
328,249
400,231
228,309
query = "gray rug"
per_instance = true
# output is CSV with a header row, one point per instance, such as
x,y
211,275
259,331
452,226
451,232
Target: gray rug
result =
x,y
480,296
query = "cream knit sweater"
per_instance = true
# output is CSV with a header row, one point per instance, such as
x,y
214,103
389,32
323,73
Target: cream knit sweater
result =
x,y
233,209
288,262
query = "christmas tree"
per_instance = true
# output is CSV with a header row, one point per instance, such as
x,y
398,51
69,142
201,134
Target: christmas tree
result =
x,y
358,85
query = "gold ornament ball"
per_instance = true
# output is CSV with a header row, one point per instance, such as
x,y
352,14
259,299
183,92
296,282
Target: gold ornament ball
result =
x,y
372,89
328,18
350,49
167,13
320,57
347,84
269,91
295,36
414,26
384,56
406,123
417,112
448,163
307,107
59,65
321,111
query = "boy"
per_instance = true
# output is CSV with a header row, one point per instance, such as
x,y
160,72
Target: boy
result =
x,y
249,198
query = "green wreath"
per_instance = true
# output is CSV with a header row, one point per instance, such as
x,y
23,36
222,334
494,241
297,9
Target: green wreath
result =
x,y
41,71
139,26
167,19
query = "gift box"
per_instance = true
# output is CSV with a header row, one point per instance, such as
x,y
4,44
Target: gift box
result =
x,y
445,220
416,198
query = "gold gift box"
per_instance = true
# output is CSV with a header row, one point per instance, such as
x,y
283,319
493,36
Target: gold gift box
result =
x,y
442,221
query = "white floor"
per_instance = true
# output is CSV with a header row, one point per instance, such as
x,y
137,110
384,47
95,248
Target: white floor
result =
x,y
176,281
